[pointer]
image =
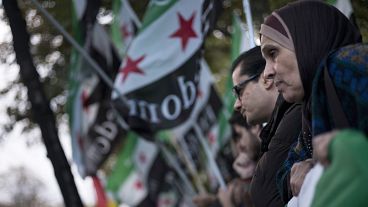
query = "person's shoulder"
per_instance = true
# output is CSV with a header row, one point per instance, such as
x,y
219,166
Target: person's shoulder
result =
x,y
294,109
292,120
289,127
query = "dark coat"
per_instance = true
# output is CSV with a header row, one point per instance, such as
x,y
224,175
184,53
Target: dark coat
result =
x,y
277,137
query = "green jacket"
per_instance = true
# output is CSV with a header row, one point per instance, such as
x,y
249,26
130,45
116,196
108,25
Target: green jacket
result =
x,y
345,181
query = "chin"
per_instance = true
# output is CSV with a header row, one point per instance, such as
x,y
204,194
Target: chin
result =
x,y
251,121
288,98
291,98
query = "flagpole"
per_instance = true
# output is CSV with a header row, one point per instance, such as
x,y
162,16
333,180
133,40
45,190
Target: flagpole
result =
x,y
173,163
86,56
134,17
188,200
167,155
248,16
191,165
211,159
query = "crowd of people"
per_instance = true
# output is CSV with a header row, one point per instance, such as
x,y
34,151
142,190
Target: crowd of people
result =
x,y
308,81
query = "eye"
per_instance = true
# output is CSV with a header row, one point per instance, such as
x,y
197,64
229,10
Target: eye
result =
x,y
272,53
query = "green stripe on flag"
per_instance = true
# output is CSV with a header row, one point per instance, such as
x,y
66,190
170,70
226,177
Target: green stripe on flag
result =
x,y
236,38
124,165
155,10
115,27
75,62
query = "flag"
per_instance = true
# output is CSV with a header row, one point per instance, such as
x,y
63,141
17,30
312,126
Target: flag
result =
x,y
133,190
204,117
124,26
102,200
165,81
92,122
140,174
159,75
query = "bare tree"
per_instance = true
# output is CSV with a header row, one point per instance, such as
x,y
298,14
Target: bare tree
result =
x,y
20,188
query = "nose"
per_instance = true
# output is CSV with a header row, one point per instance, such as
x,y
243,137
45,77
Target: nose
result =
x,y
237,105
269,71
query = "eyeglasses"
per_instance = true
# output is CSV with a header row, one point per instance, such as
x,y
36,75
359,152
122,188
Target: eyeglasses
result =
x,y
237,89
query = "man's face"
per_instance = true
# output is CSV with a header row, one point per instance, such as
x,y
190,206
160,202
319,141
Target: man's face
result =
x,y
252,99
282,66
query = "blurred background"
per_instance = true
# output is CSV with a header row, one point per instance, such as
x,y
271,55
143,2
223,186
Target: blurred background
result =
x,y
26,174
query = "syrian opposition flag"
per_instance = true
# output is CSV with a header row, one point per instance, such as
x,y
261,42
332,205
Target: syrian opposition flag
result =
x,y
139,174
160,74
124,26
202,122
92,122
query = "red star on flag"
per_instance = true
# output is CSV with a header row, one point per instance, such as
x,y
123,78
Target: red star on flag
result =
x,y
199,93
142,157
131,66
138,185
84,98
125,31
185,32
211,138
165,202
80,141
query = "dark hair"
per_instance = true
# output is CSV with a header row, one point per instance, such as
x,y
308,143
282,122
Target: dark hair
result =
x,y
255,145
237,118
251,62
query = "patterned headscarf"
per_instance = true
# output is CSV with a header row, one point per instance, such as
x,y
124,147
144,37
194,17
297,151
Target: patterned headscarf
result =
x,y
348,71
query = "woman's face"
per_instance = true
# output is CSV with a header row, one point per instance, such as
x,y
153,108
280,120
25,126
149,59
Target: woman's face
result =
x,y
282,66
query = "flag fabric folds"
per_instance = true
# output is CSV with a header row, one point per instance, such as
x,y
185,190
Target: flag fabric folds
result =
x,y
169,91
124,26
92,122
141,176
168,85
160,73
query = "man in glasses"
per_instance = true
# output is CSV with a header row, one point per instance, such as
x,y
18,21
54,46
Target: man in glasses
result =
x,y
258,100
255,96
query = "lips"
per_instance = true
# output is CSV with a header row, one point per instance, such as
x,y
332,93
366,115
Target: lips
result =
x,y
243,112
243,164
279,85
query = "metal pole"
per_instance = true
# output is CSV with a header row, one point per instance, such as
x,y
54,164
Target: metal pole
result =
x,y
173,163
210,157
248,17
190,162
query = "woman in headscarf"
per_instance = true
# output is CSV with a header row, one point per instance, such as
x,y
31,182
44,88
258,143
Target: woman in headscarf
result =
x,y
294,41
